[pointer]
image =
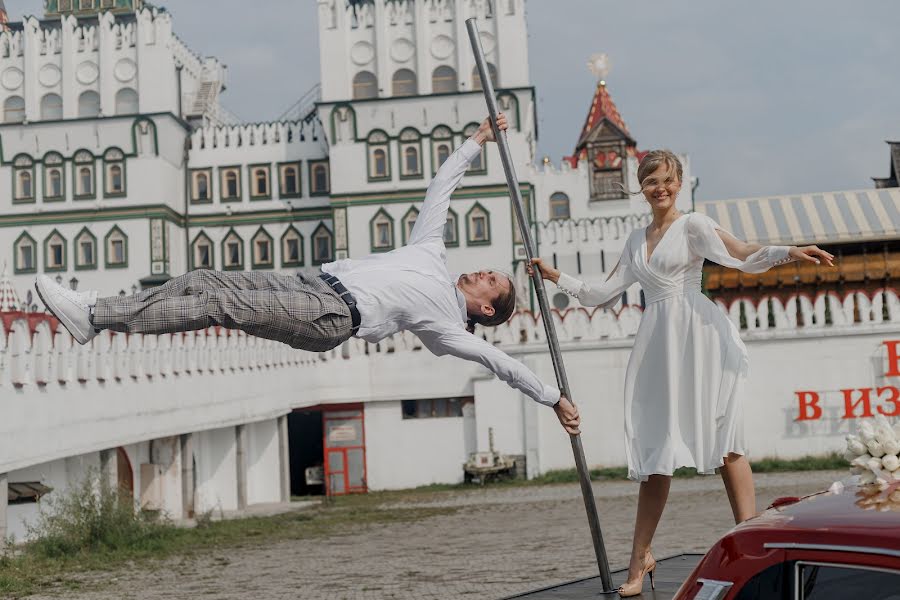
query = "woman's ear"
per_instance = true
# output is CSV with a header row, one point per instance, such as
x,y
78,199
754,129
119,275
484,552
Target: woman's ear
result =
x,y
487,310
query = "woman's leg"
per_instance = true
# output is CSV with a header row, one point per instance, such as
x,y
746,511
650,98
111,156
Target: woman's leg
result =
x,y
651,502
738,479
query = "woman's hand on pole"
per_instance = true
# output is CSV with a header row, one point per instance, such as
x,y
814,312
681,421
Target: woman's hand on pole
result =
x,y
547,272
812,254
485,132
568,416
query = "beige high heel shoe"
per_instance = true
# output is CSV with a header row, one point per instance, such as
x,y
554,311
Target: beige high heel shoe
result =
x,y
633,588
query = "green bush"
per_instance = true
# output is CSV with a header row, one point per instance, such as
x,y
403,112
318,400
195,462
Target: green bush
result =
x,y
93,516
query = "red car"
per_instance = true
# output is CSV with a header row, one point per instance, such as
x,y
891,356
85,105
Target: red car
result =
x,y
826,546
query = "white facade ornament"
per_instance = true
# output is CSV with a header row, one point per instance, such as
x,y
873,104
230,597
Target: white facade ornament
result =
x,y
442,47
362,53
87,72
125,70
11,78
402,50
49,75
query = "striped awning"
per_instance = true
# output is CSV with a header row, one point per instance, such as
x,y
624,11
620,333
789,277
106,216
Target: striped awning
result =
x,y
832,217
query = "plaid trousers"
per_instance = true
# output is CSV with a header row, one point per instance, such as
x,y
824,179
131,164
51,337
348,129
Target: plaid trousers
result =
x,y
301,312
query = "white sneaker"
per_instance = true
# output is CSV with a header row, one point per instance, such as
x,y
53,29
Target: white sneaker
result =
x,y
73,309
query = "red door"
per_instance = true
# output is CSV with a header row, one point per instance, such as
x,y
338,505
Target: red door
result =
x,y
345,450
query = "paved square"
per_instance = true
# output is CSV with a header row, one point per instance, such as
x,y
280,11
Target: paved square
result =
x,y
501,541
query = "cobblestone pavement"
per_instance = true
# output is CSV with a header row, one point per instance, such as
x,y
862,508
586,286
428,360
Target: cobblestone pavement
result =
x,y
502,541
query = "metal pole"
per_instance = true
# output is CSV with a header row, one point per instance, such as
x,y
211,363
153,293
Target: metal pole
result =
x,y
516,197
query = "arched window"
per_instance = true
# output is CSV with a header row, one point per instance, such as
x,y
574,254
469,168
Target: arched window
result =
x,y
84,174
14,109
478,226
25,251
54,183
126,102
89,104
116,243
259,182
230,186
53,176
404,83
444,80
51,107
26,185
411,160
201,190
441,146
478,164
322,244
232,252
263,253
379,165
289,180
114,163
476,78
115,179
559,206
291,248
365,85
410,151
409,221
319,180
382,231
202,252
23,178
85,250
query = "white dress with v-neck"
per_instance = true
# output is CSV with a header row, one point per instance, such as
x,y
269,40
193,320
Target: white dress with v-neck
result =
x,y
685,376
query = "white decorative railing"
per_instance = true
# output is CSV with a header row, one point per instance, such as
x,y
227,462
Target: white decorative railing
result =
x,y
35,350
255,134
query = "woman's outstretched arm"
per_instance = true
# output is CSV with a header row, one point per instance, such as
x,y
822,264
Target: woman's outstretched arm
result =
x,y
607,293
710,241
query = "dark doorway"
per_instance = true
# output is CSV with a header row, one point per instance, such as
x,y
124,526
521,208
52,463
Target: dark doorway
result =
x,y
125,475
305,444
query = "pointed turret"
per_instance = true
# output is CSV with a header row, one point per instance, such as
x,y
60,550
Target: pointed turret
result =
x,y
605,140
9,299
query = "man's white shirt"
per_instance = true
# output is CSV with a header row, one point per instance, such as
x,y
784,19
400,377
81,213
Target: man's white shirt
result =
x,y
410,289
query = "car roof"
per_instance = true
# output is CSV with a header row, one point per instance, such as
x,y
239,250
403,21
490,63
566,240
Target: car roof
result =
x,y
857,515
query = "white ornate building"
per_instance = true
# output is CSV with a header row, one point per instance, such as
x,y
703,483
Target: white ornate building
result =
x,y
123,169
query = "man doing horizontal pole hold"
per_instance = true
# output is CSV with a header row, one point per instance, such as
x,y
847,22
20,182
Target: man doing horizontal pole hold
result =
x,y
371,298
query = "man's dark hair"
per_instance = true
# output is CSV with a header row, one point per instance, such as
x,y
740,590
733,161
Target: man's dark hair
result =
x,y
504,307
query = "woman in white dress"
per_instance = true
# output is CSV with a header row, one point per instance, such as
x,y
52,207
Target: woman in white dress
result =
x,y
683,385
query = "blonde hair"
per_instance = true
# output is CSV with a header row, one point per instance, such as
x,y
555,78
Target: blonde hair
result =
x,y
651,162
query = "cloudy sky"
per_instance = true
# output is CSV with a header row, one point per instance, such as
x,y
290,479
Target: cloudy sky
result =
x,y
767,97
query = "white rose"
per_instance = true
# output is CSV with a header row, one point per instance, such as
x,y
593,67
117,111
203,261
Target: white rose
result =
x,y
891,446
855,445
865,431
890,462
866,478
874,464
875,448
882,429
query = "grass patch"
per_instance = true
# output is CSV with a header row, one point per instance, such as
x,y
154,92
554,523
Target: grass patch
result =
x,y
91,528
830,462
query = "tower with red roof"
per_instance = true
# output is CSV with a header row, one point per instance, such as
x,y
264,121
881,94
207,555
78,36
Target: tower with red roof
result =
x,y
605,140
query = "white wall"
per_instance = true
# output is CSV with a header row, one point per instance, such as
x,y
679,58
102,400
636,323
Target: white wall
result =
x,y
216,474
263,462
407,453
